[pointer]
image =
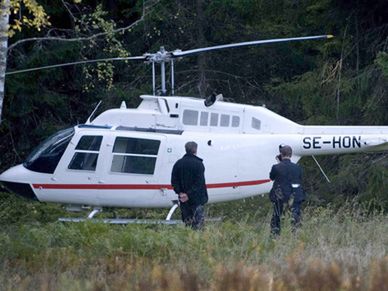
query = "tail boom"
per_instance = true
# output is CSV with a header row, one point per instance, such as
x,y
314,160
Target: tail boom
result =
x,y
340,144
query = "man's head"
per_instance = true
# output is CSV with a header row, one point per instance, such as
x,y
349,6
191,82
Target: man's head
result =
x,y
286,151
191,147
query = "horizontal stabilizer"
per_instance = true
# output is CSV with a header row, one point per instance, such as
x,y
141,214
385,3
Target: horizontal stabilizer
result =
x,y
374,141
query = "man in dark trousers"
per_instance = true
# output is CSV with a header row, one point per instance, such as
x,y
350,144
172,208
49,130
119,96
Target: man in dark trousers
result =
x,y
287,177
188,181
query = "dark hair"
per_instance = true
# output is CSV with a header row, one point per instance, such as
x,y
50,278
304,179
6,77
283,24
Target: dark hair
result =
x,y
286,151
191,147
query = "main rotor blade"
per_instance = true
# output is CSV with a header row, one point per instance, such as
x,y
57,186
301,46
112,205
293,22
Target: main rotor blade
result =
x,y
178,54
75,63
163,56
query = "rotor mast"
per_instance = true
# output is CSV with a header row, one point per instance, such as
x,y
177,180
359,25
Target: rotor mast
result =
x,y
161,57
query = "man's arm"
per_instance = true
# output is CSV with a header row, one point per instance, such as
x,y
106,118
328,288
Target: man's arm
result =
x,y
175,181
273,173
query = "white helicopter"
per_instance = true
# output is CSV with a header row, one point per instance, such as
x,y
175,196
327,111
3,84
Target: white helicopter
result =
x,y
124,157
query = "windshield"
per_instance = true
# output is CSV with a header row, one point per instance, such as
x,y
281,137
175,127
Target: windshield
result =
x,y
46,156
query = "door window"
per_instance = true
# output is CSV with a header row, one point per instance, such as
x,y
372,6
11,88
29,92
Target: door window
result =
x,y
86,153
134,155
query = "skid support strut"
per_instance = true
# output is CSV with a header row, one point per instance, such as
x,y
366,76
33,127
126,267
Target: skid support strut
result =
x,y
172,210
94,212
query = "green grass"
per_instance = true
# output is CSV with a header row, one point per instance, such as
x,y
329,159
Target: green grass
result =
x,y
342,249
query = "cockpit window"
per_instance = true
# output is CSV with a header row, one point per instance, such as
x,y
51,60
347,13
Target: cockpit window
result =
x,y
135,155
45,157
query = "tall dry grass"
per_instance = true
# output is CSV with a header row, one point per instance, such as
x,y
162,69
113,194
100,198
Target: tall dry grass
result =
x,y
123,273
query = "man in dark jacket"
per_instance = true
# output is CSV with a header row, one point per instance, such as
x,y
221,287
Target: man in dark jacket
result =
x,y
287,177
188,181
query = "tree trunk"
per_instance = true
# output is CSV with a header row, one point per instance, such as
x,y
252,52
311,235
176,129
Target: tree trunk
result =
x,y
4,15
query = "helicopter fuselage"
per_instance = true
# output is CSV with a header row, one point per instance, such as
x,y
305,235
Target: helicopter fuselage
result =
x,y
124,157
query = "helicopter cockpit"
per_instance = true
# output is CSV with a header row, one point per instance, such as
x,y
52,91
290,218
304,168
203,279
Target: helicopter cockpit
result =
x,y
46,156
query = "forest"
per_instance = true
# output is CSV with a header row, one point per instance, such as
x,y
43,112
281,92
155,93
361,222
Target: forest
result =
x,y
338,82
342,244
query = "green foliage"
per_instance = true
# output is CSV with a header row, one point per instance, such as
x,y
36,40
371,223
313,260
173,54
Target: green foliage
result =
x,y
100,75
29,14
17,210
376,189
382,62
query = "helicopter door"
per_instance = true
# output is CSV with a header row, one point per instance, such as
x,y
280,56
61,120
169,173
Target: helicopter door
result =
x,y
79,170
132,168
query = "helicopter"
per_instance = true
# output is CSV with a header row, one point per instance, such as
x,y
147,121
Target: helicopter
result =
x,y
124,156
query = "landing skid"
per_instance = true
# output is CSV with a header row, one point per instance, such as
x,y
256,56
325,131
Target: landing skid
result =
x,y
167,221
96,210
123,221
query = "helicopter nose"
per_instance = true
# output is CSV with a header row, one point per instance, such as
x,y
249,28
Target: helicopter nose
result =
x,y
21,189
10,181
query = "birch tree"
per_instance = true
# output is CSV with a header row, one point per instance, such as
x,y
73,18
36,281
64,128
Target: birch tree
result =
x,y
4,16
37,18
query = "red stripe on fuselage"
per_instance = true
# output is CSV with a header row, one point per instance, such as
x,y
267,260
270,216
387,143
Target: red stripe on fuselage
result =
x,y
139,186
237,184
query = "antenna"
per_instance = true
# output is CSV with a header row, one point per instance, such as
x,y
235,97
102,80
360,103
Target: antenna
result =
x,y
94,111
162,57
320,168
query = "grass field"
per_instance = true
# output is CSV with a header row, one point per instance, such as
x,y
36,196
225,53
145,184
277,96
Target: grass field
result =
x,y
341,249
